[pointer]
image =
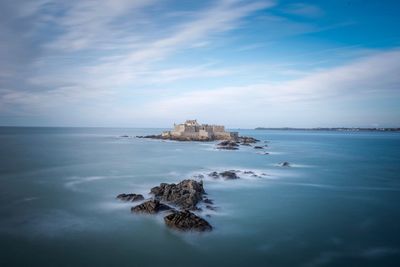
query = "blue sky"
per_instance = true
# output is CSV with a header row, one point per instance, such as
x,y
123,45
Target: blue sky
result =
x,y
148,63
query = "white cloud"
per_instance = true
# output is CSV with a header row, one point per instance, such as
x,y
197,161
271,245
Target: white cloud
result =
x,y
373,76
305,10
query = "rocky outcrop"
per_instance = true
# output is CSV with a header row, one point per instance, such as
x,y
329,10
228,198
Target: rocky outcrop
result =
x,y
176,138
187,221
208,201
246,140
185,194
130,197
284,164
228,145
151,206
228,175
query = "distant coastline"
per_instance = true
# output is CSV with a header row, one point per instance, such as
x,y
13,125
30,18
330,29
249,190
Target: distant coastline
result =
x,y
340,129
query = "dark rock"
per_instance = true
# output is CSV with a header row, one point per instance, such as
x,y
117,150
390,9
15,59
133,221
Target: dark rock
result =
x,y
153,136
214,175
130,197
187,221
175,138
245,144
208,201
199,176
230,175
152,206
124,136
210,207
285,164
248,172
228,145
185,194
245,140
258,147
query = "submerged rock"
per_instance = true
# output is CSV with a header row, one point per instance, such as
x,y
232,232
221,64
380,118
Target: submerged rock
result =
x,y
214,175
152,206
228,145
208,201
130,197
258,147
285,164
187,221
152,136
185,194
246,140
229,175
210,207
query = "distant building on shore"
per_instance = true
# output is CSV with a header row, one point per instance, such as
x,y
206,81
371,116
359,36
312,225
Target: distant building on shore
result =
x,y
192,130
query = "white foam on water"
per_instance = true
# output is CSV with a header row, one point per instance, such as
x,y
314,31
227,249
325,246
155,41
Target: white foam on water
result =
x,y
293,165
276,152
77,180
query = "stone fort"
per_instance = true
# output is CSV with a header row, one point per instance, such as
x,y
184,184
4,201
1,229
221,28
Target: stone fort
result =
x,y
192,130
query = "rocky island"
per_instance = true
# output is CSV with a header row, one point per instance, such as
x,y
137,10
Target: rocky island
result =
x,y
191,130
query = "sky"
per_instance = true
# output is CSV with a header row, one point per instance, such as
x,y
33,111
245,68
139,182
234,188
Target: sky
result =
x,y
244,64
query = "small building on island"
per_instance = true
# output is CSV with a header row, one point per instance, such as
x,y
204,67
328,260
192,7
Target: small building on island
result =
x,y
191,130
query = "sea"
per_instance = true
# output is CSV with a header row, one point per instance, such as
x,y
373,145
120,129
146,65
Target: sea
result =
x,y
337,204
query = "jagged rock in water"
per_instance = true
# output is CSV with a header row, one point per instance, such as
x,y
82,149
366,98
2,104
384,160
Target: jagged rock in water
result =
x,y
228,145
152,206
245,140
258,147
130,197
214,175
285,164
152,136
185,194
245,144
210,207
187,221
229,175
208,201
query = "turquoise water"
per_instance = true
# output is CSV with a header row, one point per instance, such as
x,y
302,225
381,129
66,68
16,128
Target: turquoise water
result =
x,y
338,205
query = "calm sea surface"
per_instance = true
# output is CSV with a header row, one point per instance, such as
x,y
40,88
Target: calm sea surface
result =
x,y
338,205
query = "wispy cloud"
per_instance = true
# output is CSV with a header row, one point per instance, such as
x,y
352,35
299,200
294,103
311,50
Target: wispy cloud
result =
x,y
372,76
303,9
124,61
